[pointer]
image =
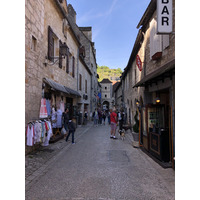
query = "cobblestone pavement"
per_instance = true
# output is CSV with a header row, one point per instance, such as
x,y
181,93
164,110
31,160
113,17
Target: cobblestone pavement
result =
x,y
36,161
96,167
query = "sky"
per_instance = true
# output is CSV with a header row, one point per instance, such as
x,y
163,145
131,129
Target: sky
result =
x,y
113,25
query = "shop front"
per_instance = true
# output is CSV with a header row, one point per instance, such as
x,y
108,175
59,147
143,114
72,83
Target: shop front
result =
x,y
157,113
55,99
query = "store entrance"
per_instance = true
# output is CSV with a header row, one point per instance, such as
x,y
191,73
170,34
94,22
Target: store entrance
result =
x,y
69,105
158,126
155,134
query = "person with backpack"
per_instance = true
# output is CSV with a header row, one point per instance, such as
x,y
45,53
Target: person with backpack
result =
x,y
71,128
113,123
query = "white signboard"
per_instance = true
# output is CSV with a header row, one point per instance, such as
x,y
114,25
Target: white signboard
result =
x,y
164,16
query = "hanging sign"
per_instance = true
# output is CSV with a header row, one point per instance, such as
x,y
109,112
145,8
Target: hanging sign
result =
x,y
139,62
164,16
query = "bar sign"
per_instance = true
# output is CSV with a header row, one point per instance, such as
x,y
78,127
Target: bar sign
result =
x,y
164,16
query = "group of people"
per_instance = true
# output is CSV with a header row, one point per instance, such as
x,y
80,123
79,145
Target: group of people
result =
x,y
63,120
114,118
100,116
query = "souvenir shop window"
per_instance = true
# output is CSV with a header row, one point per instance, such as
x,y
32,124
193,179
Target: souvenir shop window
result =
x,y
155,119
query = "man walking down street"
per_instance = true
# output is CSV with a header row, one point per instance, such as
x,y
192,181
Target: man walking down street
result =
x,y
71,127
113,124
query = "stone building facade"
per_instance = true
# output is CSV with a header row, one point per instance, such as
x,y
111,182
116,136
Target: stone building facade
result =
x,y
50,72
106,93
150,90
85,37
117,95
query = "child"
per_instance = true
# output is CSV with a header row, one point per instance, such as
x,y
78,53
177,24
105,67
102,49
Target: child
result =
x,y
71,128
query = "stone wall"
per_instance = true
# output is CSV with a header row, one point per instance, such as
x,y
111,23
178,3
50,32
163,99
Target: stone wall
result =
x,y
39,14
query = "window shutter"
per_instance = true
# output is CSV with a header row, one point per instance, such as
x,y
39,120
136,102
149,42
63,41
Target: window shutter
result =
x,y
67,62
73,66
50,44
80,82
155,40
165,41
60,55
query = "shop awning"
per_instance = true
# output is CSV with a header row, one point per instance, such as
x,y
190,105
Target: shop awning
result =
x,y
72,92
61,88
160,74
55,86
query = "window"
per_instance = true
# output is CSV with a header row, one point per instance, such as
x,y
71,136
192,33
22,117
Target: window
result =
x,y
80,82
105,95
85,86
105,88
73,66
52,44
33,43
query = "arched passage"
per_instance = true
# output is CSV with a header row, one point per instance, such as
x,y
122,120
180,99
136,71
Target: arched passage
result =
x,y
106,105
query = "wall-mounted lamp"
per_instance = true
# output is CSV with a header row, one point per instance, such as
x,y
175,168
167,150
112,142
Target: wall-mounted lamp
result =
x,y
157,100
137,102
63,52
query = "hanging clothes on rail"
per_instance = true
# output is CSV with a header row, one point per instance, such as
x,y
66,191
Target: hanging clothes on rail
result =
x,y
48,105
59,119
62,106
48,133
30,135
38,132
53,118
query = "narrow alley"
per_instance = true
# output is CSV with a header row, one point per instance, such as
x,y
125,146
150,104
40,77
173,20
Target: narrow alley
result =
x,y
97,167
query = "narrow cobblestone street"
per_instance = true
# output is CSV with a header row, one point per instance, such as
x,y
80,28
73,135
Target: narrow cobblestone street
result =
x,y
96,167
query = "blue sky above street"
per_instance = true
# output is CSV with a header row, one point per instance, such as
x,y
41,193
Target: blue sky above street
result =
x,y
113,27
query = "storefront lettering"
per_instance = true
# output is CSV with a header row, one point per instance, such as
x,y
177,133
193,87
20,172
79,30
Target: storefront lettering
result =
x,y
164,16
163,1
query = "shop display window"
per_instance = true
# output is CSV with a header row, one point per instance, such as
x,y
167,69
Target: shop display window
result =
x,y
155,119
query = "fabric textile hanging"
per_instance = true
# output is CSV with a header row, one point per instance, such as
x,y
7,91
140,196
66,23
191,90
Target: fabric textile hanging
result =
x,y
43,109
48,105
30,135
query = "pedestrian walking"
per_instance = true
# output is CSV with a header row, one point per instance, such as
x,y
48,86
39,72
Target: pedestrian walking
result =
x,y
113,123
72,128
85,118
104,117
100,116
65,118
95,117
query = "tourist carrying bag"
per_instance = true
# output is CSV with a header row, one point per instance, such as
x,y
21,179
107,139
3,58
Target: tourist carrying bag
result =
x,y
63,131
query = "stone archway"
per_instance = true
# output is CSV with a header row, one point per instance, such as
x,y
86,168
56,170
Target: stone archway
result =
x,y
106,105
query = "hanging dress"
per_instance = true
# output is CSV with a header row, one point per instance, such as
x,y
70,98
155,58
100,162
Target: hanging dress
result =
x,y
59,119
43,109
30,135
53,119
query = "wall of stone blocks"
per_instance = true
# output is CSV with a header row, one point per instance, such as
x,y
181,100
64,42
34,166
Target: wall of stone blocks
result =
x,y
38,15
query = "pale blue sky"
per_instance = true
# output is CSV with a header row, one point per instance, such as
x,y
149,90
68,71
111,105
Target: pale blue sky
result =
x,y
113,27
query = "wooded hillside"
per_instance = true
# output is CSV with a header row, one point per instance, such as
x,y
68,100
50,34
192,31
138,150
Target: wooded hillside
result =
x,y
106,72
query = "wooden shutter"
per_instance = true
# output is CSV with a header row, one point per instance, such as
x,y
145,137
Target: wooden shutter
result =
x,y
73,66
80,81
60,55
85,86
50,44
67,62
165,39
